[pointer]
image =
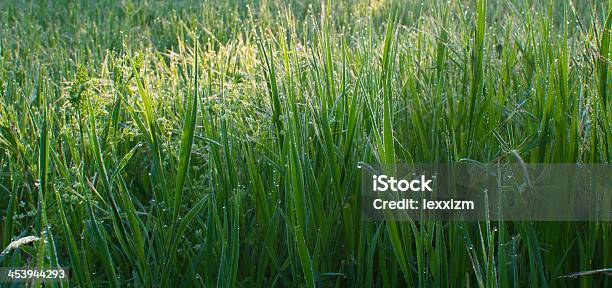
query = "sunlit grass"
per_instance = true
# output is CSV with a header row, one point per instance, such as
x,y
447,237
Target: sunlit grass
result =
x,y
217,144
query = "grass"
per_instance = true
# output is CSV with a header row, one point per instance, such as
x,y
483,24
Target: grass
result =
x,y
216,144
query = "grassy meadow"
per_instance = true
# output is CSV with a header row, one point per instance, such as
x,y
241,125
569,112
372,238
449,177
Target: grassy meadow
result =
x,y
217,143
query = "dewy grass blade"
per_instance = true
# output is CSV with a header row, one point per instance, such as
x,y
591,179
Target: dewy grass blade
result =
x,y
81,275
151,131
388,140
183,164
186,141
304,257
604,53
476,83
42,224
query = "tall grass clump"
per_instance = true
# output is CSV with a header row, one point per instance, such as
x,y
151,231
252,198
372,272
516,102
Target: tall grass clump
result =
x,y
217,144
